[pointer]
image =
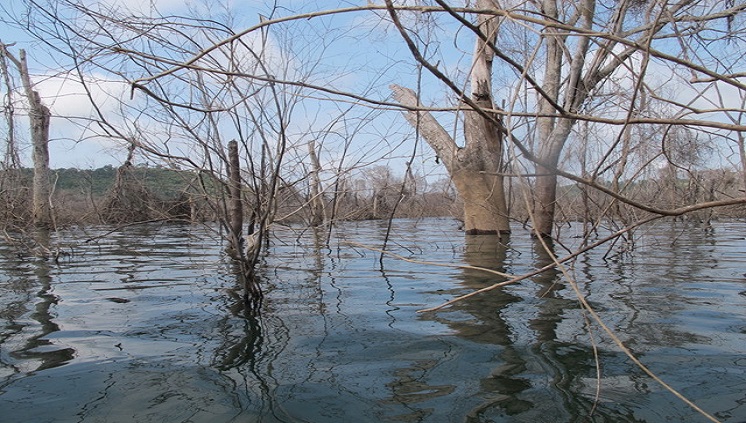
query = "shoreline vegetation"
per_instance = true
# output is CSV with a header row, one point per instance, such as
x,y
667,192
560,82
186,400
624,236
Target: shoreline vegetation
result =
x,y
141,193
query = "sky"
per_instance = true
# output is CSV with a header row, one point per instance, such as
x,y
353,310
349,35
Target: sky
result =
x,y
357,50
72,146
69,145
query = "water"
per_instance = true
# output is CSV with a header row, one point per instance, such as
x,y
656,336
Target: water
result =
x,y
144,325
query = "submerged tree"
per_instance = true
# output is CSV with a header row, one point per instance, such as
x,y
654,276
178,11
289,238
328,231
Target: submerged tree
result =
x,y
477,167
572,55
39,117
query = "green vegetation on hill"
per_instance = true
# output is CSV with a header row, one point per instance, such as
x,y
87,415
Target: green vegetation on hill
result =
x,y
105,195
166,184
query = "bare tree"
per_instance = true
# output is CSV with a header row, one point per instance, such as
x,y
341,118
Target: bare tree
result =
x,y
39,117
577,50
477,167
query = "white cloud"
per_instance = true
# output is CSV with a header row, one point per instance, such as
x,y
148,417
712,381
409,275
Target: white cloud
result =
x,y
145,7
74,140
67,97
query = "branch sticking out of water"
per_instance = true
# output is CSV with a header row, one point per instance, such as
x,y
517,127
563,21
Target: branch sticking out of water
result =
x,y
597,318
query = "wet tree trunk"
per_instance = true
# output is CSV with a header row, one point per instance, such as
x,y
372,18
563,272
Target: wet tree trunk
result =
x,y
476,168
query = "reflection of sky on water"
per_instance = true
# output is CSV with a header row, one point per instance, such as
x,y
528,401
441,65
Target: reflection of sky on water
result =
x,y
143,326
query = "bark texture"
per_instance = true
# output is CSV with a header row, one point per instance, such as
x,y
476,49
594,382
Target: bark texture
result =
x,y
235,203
39,117
472,168
476,169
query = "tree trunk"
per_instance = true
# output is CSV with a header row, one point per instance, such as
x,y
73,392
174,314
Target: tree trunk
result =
x,y
476,168
545,191
39,116
235,208
472,168
12,159
554,130
742,156
483,212
316,201
545,197
483,136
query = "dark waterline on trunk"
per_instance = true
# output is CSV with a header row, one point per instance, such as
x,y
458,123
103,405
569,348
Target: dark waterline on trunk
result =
x,y
149,325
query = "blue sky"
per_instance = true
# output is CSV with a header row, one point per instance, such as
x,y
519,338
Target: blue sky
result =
x,y
375,47
357,50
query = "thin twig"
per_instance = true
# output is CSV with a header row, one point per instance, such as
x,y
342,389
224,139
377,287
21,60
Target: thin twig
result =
x,y
584,303
428,263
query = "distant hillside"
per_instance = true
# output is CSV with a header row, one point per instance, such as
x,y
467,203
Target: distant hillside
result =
x,y
167,184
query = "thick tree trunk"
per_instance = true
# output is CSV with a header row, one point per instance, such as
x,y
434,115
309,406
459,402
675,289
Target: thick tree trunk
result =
x,y
483,137
483,214
476,168
545,198
545,191
473,168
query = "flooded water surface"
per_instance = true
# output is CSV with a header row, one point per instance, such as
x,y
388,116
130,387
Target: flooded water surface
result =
x,y
146,325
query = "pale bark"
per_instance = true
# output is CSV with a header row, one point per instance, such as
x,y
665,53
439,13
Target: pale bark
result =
x,y
472,168
553,131
11,159
39,117
742,155
476,168
483,136
318,212
571,88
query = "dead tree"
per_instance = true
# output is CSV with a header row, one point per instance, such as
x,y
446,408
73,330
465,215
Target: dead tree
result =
x,y
476,168
39,117
235,204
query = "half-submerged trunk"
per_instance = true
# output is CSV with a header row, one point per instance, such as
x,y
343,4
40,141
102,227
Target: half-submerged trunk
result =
x,y
476,168
316,200
39,116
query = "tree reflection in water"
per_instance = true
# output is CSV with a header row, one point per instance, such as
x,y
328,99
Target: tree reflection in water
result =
x,y
536,373
246,358
36,348
338,338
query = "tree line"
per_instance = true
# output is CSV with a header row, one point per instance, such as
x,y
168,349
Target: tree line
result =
x,y
142,193
610,113
104,196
